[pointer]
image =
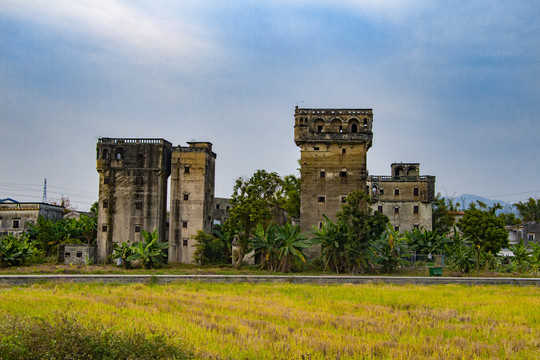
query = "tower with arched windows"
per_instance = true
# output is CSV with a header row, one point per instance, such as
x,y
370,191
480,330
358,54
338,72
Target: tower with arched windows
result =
x,y
133,177
333,159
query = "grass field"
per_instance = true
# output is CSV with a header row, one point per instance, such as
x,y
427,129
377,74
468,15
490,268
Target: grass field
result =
x,y
286,321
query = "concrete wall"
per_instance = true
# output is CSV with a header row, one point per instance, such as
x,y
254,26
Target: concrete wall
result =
x,y
77,254
15,218
133,177
192,198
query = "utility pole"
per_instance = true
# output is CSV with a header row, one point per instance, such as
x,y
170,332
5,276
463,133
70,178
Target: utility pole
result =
x,y
44,191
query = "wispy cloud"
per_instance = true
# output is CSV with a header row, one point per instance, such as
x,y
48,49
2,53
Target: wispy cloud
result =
x,y
120,27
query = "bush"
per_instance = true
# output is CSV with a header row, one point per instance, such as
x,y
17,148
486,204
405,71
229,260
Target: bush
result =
x,y
64,338
15,251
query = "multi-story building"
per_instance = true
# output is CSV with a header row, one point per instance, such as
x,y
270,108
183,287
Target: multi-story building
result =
x,y
333,150
133,177
192,198
15,217
405,197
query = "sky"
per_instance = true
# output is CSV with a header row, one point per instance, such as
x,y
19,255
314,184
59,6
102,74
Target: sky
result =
x,y
454,85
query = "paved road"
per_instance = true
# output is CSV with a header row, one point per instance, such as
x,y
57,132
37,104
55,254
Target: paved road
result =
x,y
296,279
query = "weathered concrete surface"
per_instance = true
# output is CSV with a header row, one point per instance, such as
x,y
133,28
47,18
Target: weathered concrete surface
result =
x,y
165,279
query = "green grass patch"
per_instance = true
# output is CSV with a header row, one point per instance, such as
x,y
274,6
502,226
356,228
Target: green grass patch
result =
x,y
282,321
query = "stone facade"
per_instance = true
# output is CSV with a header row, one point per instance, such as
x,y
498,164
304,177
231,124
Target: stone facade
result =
x,y
133,177
192,198
15,217
77,254
405,197
333,148
221,210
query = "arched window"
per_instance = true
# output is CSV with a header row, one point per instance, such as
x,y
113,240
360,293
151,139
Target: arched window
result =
x,y
318,125
119,155
354,128
106,154
412,171
365,123
374,190
336,125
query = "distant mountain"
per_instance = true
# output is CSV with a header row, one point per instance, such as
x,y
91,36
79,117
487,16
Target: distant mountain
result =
x,y
466,199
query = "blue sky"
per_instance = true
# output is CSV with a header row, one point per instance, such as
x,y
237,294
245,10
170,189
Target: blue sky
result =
x,y
453,85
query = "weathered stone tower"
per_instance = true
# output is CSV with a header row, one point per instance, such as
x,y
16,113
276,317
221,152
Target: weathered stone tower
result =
x,y
333,148
405,197
192,196
132,190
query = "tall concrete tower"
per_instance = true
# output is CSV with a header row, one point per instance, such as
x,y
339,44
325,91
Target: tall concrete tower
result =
x,y
333,153
132,190
192,196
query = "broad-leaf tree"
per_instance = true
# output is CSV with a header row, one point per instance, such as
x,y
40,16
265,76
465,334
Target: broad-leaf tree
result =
x,y
530,210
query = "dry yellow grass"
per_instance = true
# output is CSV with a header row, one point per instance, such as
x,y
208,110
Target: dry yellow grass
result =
x,y
285,321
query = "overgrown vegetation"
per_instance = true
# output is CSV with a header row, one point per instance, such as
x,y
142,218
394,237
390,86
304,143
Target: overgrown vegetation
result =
x,y
65,337
150,252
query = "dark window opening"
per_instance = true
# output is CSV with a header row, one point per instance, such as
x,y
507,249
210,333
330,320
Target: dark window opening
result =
x,y
396,228
379,209
79,254
119,154
396,192
184,224
217,206
138,205
415,191
106,154
381,191
343,174
343,199
343,151
415,209
185,242
316,148
354,128
15,224
137,228
322,173
106,180
396,210
321,199
105,204
320,224
365,122
186,169
98,153
67,254
341,129
104,228
320,128
186,197
416,227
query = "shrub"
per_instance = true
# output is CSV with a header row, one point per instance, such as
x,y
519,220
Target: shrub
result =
x,y
15,251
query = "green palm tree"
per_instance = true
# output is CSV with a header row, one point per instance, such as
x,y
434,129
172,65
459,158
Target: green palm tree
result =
x,y
291,245
332,238
266,246
149,251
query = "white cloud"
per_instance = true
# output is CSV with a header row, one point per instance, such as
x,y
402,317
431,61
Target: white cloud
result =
x,y
121,28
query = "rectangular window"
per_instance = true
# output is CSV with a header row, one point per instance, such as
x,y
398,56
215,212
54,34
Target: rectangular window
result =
x,y
186,169
530,237
396,228
79,254
184,242
106,180
320,224
184,224
415,191
379,208
320,128
396,210
104,228
316,148
186,197
415,209
322,173
138,205
343,173
105,204
15,224
416,227
343,199
343,151
381,191
396,192
67,254
217,206
321,199
137,228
